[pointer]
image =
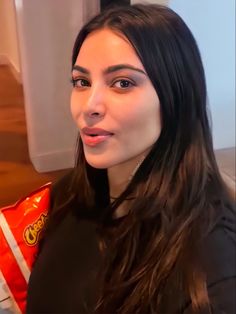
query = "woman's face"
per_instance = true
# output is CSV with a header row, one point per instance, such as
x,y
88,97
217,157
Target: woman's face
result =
x,y
113,102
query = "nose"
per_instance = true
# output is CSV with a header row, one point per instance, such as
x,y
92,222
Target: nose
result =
x,y
94,106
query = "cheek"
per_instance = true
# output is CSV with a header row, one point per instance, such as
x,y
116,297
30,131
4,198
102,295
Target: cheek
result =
x,y
141,117
74,107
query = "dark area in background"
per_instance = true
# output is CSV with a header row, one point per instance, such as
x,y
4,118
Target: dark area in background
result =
x,y
17,175
107,3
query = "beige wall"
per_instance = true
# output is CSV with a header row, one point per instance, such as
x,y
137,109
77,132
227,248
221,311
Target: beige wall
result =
x,y
2,33
9,52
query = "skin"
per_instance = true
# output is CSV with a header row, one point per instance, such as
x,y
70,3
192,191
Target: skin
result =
x,y
115,94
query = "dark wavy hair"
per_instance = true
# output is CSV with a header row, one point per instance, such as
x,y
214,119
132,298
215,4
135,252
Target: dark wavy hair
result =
x,y
154,252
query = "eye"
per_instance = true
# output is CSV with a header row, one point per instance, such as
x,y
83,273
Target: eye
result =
x,y
80,82
123,84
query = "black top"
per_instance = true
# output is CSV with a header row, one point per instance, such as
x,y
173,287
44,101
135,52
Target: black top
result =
x,y
63,279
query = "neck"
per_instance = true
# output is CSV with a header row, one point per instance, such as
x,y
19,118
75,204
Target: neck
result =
x,y
120,175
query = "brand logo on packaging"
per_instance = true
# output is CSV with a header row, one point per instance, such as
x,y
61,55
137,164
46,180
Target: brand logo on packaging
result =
x,y
32,231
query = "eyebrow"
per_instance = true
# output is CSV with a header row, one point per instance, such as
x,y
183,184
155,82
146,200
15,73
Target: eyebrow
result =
x,y
110,69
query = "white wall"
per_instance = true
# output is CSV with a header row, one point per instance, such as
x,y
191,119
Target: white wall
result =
x,y
47,31
213,25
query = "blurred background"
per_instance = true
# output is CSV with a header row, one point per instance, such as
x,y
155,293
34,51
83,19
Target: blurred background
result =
x,y
37,134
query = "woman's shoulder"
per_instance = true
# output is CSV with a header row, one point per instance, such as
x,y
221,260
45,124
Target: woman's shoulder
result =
x,y
219,247
219,260
64,199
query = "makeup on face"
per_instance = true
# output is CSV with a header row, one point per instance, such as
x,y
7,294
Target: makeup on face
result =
x,y
112,92
128,74
94,136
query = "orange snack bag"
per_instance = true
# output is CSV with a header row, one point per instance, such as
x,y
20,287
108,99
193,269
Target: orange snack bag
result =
x,y
20,227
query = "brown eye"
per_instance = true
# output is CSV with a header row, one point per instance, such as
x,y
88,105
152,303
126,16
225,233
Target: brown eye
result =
x,y
78,82
123,84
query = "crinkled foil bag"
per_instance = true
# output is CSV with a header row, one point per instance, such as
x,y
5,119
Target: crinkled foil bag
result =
x,y
20,228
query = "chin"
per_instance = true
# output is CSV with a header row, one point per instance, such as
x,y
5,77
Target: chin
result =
x,y
100,162
96,163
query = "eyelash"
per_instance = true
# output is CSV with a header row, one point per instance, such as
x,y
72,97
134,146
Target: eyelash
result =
x,y
131,84
74,82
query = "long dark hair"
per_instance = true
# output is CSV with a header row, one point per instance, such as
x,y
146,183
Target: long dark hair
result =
x,y
153,253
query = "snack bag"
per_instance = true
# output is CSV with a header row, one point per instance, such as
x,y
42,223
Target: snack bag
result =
x,y
20,227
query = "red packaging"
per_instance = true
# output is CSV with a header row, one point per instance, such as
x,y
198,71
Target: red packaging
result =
x,y
20,228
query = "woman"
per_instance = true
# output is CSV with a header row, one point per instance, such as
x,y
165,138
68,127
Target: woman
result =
x,y
144,223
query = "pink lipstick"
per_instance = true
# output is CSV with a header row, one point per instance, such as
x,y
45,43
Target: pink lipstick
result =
x,y
94,136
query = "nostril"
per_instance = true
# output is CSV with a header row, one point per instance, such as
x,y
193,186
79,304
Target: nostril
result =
x,y
95,114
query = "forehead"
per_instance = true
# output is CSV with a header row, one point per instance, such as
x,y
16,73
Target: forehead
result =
x,y
105,47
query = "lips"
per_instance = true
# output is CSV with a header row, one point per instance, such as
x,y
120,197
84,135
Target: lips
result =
x,y
94,136
95,131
